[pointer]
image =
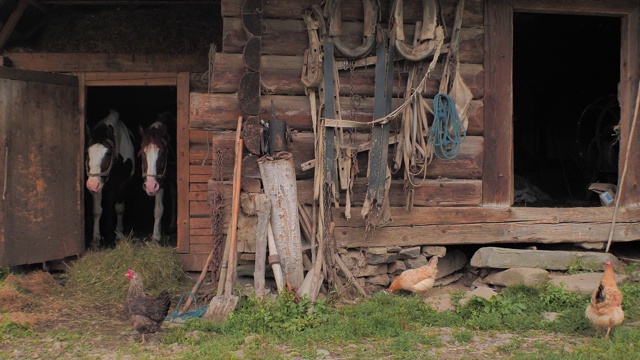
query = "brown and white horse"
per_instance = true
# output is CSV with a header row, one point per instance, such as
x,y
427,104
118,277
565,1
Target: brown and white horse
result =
x,y
110,164
158,169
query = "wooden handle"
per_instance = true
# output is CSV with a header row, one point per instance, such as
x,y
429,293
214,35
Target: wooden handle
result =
x,y
235,208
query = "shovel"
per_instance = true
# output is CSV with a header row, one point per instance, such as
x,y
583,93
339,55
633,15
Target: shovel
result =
x,y
225,302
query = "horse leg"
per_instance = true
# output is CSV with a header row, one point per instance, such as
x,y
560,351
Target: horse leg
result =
x,y
157,217
119,214
97,213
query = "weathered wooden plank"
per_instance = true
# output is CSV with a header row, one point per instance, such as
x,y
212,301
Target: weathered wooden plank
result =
x,y
583,7
221,111
433,192
37,76
628,94
193,232
199,208
459,226
199,178
193,261
85,62
199,223
352,10
502,233
205,241
130,78
289,37
182,154
467,165
280,75
474,215
497,185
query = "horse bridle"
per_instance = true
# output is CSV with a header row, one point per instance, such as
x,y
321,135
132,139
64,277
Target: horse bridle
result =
x,y
159,176
108,170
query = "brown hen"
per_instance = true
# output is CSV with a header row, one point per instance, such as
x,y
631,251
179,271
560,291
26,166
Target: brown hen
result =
x,y
418,280
605,309
146,313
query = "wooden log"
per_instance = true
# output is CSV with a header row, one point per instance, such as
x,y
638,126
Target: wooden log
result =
x,y
289,37
352,10
280,75
278,177
251,54
219,111
463,226
263,209
248,95
83,62
467,165
433,193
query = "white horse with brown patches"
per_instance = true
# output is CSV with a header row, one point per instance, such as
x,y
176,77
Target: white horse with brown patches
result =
x,y
110,165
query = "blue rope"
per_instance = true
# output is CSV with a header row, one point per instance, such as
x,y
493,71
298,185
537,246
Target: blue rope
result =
x,y
188,314
447,131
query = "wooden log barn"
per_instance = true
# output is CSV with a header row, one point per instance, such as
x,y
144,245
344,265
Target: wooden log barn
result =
x,y
552,95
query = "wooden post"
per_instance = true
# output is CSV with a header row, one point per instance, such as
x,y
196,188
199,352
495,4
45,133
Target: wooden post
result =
x,y
279,181
263,208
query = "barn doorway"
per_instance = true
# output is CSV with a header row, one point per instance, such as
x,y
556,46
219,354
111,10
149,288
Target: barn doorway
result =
x,y
139,106
566,70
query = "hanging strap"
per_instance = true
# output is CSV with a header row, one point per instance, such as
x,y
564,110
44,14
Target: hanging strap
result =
x,y
380,133
329,112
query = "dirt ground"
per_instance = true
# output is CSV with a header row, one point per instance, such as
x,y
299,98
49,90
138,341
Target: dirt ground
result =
x,y
76,327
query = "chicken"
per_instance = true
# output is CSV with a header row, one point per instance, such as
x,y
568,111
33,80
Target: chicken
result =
x,y
418,280
605,309
146,313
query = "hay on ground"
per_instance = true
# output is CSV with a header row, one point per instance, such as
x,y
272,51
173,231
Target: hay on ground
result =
x,y
101,275
28,300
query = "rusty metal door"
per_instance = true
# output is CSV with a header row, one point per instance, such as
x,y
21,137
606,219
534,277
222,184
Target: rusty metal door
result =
x,y
41,213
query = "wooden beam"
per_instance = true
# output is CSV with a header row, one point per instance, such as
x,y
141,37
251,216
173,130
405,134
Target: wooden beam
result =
x,y
497,186
353,11
582,7
84,62
464,226
12,21
280,75
289,37
629,78
130,78
182,138
217,111
467,165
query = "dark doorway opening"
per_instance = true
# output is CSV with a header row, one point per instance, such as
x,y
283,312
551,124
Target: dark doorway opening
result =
x,y
566,70
139,106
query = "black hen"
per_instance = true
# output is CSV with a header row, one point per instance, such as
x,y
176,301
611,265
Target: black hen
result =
x,y
146,313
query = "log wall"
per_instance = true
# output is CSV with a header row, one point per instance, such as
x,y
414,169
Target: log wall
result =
x,y
214,107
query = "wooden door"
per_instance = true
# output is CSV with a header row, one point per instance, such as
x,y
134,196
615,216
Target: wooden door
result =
x,y
41,169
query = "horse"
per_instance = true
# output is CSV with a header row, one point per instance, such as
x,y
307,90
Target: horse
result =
x,y
156,157
110,164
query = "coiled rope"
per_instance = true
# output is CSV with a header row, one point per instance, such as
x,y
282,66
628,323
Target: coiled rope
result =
x,y
188,314
447,131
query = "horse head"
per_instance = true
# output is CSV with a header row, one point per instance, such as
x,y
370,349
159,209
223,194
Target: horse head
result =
x,y
100,155
154,153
